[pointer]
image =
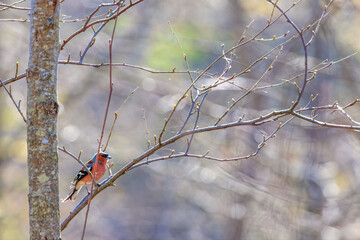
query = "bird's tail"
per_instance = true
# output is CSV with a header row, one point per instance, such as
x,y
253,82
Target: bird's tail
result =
x,y
72,195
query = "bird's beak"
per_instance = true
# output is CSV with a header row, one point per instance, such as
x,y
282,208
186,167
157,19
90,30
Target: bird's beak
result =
x,y
108,157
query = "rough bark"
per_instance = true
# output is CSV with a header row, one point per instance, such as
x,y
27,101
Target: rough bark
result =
x,y
42,109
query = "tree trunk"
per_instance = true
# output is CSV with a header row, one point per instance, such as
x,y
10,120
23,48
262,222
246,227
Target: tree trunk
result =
x,y
42,109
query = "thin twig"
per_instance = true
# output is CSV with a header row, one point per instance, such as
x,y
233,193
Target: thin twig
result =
x,y
190,113
116,116
198,108
210,66
212,158
93,38
89,24
252,88
63,149
270,117
145,69
300,33
12,6
146,130
318,25
183,52
13,100
104,123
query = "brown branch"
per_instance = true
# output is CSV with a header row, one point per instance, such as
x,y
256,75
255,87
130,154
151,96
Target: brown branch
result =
x,y
206,156
88,25
272,116
352,103
110,181
104,123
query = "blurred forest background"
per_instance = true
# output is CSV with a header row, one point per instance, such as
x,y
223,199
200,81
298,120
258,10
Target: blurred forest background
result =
x,y
303,185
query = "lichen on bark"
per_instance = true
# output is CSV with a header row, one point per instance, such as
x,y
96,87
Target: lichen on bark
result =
x,y
42,109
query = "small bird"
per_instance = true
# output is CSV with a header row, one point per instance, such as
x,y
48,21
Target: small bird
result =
x,y
83,177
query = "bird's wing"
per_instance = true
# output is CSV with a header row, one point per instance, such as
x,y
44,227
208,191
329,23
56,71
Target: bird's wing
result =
x,y
82,173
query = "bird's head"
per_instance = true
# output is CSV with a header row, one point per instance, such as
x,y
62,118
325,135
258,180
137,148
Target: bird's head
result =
x,y
102,156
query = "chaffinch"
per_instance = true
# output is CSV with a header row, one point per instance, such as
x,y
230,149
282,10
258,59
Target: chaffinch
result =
x,y
83,177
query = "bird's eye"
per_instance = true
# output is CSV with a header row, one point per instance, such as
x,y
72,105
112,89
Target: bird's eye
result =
x,y
104,155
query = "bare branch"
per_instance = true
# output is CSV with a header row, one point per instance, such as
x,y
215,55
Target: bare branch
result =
x,y
88,25
63,149
12,6
13,100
